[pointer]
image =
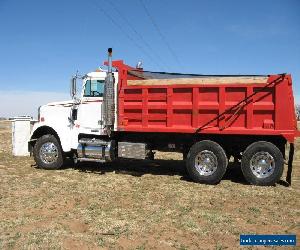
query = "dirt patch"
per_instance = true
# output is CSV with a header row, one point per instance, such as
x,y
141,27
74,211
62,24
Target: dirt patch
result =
x,y
135,205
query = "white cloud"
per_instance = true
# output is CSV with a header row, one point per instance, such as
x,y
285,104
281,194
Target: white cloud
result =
x,y
16,103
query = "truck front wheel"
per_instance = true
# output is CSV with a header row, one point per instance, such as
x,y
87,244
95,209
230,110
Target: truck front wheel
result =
x,y
206,162
262,163
47,152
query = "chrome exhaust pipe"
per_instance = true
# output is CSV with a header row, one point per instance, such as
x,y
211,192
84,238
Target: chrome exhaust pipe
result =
x,y
109,98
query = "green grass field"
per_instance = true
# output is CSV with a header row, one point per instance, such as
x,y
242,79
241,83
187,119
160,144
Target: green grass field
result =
x,y
135,205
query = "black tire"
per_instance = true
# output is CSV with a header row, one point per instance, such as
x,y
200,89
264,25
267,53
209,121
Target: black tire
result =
x,y
184,155
51,165
264,150
219,156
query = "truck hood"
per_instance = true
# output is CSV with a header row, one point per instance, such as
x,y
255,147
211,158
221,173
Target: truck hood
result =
x,y
61,103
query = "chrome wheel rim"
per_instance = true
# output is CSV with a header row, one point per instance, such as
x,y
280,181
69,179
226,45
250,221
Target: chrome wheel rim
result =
x,y
262,164
206,163
48,153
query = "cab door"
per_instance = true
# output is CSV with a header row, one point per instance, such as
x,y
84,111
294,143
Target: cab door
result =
x,y
90,108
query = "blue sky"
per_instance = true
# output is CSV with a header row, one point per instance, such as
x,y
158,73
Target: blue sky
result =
x,y
44,42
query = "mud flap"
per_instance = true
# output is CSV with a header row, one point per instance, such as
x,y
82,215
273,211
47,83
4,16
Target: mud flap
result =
x,y
290,164
30,146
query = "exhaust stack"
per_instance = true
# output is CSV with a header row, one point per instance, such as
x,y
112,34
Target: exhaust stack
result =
x,y
109,60
109,98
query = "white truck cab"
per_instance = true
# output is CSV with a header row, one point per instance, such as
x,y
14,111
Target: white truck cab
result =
x,y
68,126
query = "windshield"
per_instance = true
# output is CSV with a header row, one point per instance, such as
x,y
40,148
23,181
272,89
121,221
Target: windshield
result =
x,y
94,88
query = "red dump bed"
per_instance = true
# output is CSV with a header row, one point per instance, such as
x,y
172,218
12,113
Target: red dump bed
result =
x,y
245,105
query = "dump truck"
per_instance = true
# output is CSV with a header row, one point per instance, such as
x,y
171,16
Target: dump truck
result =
x,y
126,112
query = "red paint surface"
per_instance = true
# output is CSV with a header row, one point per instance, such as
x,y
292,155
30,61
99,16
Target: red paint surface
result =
x,y
209,109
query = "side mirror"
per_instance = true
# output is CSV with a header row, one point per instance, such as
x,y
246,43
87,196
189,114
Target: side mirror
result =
x,y
73,88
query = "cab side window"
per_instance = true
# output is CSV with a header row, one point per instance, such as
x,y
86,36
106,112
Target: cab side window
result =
x,y
94,88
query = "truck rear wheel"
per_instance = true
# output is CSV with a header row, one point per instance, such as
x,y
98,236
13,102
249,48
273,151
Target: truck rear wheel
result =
x,y
262,163
206,162
47,152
